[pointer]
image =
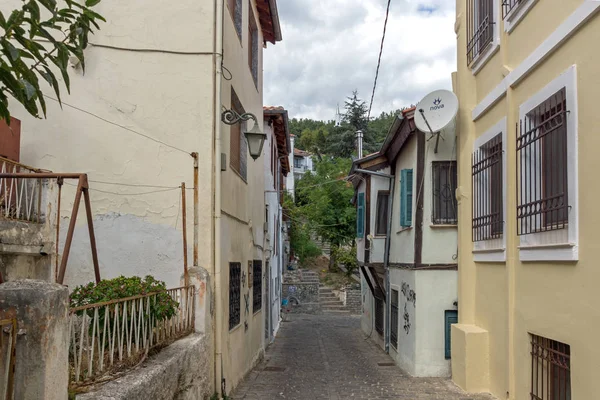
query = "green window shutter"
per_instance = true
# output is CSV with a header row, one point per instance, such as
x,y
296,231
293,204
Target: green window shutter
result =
x,y
360,216
406,193
451,317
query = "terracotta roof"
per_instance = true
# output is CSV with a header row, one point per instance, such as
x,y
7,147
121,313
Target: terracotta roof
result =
x,y
269,20
273,108
298,152
277,117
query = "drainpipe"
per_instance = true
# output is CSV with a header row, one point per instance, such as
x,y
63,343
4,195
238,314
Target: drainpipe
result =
x,y
216,273
386,253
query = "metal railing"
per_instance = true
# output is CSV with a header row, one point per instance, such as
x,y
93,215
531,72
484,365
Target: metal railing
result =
x,y
116,335
508,6
8,342
20,199
480,26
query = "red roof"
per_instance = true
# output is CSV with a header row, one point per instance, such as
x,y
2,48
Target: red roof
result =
x,y
298,152
273,108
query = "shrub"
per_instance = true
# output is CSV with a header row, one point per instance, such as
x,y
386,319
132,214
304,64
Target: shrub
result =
x,y
119,288
347,257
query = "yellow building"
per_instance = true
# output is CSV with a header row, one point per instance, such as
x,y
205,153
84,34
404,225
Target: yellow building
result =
x,y
527,83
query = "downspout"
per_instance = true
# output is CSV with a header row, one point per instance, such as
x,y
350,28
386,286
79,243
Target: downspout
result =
x,y
216,273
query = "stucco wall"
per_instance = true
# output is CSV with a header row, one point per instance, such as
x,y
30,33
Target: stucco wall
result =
x,y
403,239
553,299
165,96
405,354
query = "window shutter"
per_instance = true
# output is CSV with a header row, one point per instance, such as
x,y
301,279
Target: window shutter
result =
x,y
406,193
360,217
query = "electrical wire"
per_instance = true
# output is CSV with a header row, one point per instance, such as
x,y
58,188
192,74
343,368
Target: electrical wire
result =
x,y
127,194
118,125
387,12
135,185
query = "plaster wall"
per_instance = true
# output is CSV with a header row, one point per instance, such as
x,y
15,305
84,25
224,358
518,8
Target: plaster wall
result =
x,y
551,299
402,248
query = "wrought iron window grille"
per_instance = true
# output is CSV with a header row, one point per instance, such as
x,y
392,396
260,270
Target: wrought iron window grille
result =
x,y
487,199
509,5
256,286
550,369
542,167
394,319
379,311
480,27
235,275
444,187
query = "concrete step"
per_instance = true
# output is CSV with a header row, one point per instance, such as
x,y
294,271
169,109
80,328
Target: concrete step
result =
x,y
340,312
331,304
325,290
330,297
331,307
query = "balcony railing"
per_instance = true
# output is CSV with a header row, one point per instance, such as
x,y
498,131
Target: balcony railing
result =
x,y
508,6
20,199
114,335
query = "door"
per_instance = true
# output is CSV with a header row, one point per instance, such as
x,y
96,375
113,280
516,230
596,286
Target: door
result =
x,y
450,317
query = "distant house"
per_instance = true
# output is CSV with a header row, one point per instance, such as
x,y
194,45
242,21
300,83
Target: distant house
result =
x,y
301,162
409,290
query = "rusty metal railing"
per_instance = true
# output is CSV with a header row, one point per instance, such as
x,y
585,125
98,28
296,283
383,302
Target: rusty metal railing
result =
x,y
8,341
116,335
20,199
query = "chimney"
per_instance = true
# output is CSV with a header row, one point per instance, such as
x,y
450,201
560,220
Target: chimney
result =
x,y
359,143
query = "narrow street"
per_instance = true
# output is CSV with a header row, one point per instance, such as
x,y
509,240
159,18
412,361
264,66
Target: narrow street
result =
x,y
327,357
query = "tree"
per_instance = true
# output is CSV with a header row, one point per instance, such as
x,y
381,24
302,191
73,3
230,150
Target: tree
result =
x,y
326,196
313,141
24,59
342,139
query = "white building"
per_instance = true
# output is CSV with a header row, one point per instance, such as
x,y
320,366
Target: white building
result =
x,y
277,167
301,161
421,299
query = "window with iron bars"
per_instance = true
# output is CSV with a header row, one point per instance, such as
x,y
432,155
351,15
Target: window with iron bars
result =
x,y
379,310
444,188
480,27
510,5
256,286
542,159
487,199
235,271
394,319
550,369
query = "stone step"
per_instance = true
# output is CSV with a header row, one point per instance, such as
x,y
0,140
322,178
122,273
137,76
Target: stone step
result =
x,y
325,290
330,297
331,304
338,307
342,312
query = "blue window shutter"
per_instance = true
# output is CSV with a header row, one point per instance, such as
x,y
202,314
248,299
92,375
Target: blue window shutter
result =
x,y
406,194
409,196
360,216
451,317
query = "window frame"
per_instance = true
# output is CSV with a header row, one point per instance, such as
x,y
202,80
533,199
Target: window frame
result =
x,y
234,6
394,316
562,244
516,14
544,366
257,295
494,250
434,220
484,55
253,44
406,197
242,147
235,320
360,211
382,230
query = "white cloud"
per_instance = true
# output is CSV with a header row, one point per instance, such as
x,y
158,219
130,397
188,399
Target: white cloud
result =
x,y
330,48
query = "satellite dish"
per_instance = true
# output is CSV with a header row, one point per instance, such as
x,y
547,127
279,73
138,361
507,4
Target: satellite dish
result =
x,y
440,108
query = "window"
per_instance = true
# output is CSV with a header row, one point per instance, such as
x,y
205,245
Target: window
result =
x,y
381,221
360,216
297,162
513,11
487,200
235,9
394,319
480,27
379,310
550,369
253,46
406,197
256,286
450,317
547,189
444,188
235,271
238,148
542,145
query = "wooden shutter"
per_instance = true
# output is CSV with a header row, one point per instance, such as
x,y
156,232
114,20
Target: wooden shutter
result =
x,y
360,216
406,197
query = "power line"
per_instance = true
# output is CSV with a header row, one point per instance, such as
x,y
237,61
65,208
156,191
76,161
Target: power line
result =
x,y
134,185
127,194
118,125
387,12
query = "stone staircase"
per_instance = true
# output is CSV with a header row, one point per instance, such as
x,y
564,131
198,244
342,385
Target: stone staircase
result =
x,y
330,303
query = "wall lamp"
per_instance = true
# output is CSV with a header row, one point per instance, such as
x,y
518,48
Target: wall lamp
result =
x,y
254,137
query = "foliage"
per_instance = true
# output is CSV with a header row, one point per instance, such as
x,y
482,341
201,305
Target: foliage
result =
x,y
23,59
300,233
314,141
299,125
119,288
347,257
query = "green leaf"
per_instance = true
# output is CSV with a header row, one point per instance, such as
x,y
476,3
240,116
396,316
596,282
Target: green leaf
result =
x,y
91,3
2,20
13,52
51,79
30,90
34,9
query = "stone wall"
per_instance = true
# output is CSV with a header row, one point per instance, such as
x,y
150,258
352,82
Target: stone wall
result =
x,y
353,301
180,371
306,295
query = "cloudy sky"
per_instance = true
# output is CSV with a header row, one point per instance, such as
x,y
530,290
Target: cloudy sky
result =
x,y
330,48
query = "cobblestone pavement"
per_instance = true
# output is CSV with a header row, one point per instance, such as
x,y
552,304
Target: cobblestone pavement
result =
x,y
327,357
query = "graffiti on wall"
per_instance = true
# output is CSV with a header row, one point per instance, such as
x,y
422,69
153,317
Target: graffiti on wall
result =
x,y
409,294
406,320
